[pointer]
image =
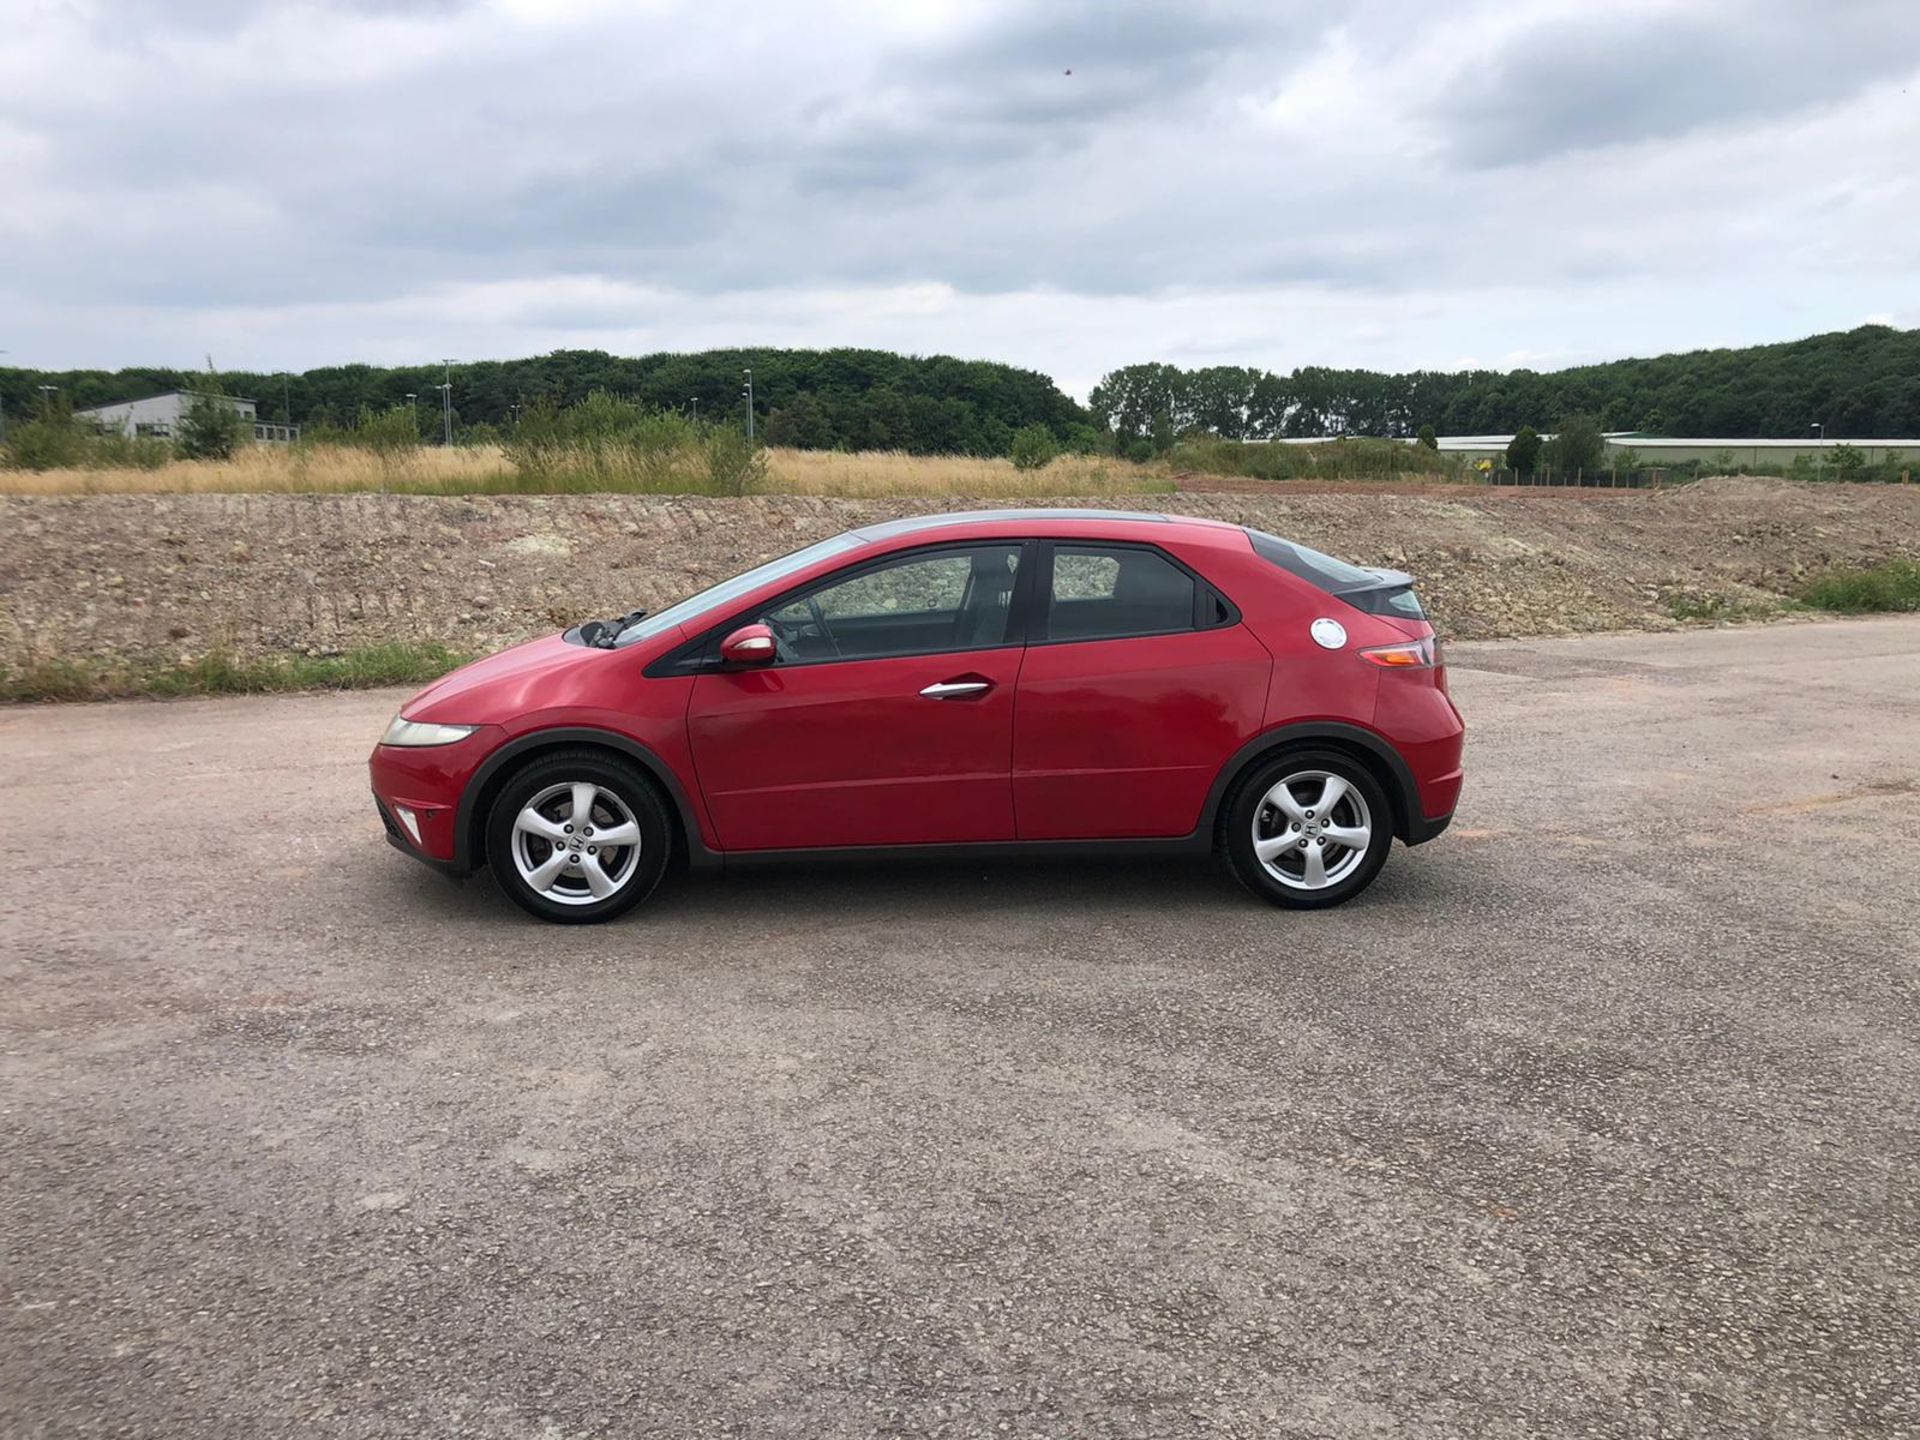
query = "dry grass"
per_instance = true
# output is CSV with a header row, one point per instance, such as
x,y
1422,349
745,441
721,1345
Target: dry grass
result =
x,y
889,472
486,469
265,469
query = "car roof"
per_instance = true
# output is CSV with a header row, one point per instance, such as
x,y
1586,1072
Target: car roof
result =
x,y
1027,518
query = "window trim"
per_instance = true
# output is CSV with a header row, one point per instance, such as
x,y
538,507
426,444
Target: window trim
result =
x,y
700,655
1204,591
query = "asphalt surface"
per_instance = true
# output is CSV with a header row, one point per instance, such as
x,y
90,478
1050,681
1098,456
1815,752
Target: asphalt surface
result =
x,y
1598,1116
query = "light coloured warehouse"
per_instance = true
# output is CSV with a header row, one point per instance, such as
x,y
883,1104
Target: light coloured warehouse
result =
x,y
1653,451
159,416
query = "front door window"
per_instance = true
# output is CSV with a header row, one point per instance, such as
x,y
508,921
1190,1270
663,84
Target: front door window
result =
x,y
919,605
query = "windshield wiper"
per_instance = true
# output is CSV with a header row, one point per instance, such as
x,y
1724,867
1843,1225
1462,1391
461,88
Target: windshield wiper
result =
x,y
601,634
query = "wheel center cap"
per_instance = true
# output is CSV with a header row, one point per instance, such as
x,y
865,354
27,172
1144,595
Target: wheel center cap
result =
x,y
1312,829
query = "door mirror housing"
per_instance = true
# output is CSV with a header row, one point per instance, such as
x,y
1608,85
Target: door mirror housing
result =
x,y
749,645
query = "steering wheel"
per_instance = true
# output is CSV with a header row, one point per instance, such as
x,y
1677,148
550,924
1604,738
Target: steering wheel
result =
x,y
820,622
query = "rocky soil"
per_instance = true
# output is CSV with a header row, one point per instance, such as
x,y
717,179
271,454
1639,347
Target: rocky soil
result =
x,y
157,578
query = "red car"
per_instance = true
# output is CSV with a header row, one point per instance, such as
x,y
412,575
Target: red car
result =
x,y
1018,681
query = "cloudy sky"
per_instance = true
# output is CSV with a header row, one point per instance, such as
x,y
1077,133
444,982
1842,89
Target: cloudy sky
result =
x,y
1064,184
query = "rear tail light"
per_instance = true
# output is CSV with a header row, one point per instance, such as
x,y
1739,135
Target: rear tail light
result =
x,y
1412,655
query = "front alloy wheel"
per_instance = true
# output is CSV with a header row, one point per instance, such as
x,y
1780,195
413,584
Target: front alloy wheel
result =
x,y
578,836
576,843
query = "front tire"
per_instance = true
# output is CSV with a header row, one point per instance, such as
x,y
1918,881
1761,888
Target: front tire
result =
x,y
578,837
1306,830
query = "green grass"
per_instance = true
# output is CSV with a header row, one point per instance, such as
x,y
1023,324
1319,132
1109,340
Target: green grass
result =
x,y
222,674
1892,586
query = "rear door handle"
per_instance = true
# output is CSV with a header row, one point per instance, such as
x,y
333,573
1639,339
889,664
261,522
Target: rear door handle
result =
x,y
954,689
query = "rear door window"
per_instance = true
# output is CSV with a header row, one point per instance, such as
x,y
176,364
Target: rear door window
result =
x,y
1102,592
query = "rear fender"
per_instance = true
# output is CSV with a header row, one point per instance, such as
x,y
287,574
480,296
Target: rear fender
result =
x,y
1371,749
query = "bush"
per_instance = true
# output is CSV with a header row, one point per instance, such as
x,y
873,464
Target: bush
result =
x,y
735,465
53,443
1428,438
605,442
393,435
1892,586
1576,446
1033,447
211,429
1523,451
1331,460
385,432
1846,462
59,442
115,451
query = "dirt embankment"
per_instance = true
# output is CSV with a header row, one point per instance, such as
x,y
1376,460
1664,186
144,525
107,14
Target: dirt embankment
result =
x,y
169,577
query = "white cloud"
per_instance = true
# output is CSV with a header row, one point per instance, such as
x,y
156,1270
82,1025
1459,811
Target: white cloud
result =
x,y
1390,185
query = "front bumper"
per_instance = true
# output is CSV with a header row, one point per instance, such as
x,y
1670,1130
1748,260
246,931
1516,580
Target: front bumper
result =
x,y
426,782
403,842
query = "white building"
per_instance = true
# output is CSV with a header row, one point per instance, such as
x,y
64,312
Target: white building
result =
x,y
1730,452
159,416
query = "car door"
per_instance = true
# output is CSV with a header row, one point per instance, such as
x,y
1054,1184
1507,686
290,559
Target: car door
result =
x,y
1138,685
886,717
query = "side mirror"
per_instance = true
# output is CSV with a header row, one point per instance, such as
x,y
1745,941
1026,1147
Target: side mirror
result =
x,y
749,645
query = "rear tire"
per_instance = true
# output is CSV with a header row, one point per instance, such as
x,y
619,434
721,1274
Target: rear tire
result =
x,y
578,836
1307,829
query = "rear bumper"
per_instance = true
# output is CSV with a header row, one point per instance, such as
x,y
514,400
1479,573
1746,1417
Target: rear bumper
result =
x,y
1421,720
1423,829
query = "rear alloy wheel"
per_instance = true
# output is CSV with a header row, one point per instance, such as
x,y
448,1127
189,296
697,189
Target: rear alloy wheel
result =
x,y
1307,830
578,837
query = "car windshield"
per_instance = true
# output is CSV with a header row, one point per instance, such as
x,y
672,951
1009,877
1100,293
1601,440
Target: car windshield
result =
x,y
727,591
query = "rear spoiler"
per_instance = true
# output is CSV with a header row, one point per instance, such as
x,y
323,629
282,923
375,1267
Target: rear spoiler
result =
x,y
1377,596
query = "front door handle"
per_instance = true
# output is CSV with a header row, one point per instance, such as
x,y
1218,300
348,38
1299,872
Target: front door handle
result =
x,y
954,689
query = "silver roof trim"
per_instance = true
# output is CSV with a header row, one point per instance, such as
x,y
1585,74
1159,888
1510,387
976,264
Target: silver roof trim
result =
x,y
889,528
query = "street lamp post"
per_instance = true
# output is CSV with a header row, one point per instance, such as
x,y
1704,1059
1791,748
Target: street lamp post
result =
x,y
1820,425
446,404
748,372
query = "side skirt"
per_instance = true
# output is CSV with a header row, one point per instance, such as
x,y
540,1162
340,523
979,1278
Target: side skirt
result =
x,y
1199,843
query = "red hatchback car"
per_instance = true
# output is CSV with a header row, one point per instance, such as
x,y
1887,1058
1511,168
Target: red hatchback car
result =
x,y
1021,681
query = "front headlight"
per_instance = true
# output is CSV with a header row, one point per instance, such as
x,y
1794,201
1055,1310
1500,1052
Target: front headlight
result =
x,y
417,732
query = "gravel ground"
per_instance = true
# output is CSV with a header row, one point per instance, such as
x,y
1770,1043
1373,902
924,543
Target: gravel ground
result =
x,y
171,577
1598,1116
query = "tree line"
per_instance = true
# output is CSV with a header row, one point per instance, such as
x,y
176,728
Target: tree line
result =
x,y
1862,383
818,399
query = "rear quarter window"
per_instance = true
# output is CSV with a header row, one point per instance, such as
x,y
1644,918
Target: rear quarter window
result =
x,y
1324,571
1376,592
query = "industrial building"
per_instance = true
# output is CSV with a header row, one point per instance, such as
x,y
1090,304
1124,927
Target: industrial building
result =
x,y
159,416
1653,451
